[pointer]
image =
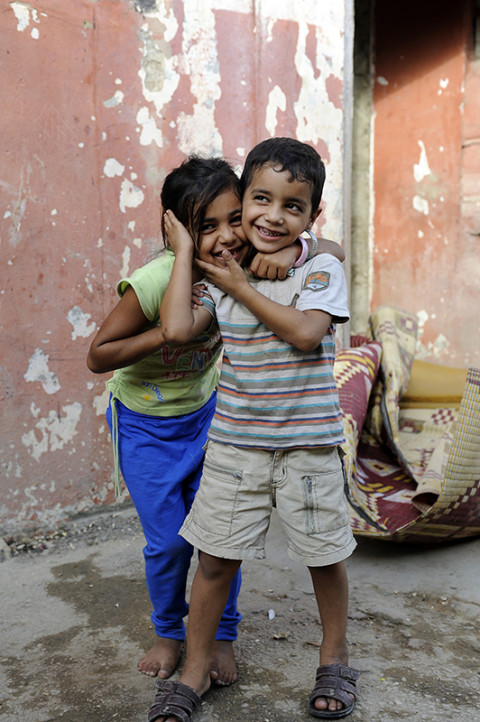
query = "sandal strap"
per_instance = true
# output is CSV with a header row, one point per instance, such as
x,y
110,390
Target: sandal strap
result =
x,y
174,699
336,681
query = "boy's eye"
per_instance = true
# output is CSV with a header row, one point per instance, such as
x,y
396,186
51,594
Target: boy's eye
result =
x,y
293,207
261,198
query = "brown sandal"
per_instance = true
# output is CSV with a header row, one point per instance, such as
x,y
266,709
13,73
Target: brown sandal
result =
x,y
336,681
174,699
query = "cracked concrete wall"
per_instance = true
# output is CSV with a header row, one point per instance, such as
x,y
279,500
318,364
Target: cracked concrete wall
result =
x,y
426,145
100,100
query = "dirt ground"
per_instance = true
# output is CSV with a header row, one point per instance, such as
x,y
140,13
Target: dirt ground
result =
x,y
75,619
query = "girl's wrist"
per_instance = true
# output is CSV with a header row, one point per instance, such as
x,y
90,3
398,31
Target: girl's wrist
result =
x,y
184,253
303,255
313,251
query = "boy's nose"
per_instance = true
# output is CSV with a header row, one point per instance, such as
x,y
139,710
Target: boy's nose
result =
x,y
274,214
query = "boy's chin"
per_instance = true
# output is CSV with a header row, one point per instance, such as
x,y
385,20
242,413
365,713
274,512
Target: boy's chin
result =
x,y
267,247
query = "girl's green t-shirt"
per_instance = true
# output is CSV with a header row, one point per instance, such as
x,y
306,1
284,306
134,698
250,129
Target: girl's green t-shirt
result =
x,y
174,380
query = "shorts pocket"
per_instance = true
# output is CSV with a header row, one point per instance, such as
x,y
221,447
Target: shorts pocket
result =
x,y
216,501
222,471
324,500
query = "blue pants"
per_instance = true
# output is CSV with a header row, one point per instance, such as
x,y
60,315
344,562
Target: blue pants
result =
x,y
161,462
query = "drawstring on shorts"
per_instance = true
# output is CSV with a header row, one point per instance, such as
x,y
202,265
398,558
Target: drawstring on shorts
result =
x,y
116,462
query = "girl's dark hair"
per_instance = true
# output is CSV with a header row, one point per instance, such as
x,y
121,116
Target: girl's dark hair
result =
x,y
189,189
287,154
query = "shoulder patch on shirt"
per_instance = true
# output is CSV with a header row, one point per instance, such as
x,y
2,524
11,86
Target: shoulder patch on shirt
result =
x,y
317,281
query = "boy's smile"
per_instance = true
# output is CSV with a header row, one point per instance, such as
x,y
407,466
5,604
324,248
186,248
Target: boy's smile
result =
x,y
222,230
276,209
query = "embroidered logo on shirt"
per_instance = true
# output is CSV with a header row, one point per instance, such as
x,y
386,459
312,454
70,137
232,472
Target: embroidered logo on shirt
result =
x,y
317,281
154,388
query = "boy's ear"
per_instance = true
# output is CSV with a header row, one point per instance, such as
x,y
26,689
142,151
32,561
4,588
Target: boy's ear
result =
x,y
314,217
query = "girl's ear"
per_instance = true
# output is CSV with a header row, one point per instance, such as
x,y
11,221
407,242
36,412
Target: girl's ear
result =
x,y
314,217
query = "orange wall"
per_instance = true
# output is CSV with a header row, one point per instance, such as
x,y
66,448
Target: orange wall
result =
x,y
99,102
427,209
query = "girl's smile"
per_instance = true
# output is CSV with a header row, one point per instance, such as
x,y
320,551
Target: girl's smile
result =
x,y
222,230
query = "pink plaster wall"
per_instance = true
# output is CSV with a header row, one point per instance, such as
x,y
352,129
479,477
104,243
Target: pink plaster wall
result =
x,y
79,184
426,170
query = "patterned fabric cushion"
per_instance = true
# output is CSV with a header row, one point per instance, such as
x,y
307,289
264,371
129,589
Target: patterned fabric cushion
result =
x,y
416,474
355,372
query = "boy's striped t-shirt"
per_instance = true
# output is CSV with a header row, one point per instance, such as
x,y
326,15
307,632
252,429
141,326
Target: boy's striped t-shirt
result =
x,y
270,394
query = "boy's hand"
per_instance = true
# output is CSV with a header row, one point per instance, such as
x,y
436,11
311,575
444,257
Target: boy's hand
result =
x,y
229,278
178,236
275,266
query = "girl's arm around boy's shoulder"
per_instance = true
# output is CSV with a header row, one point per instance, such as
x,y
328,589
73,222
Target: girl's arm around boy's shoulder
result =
x,y
179,321
330,247
276,265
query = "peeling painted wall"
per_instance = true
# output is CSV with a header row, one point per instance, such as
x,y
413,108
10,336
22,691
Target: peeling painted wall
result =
x,y
426,173
100,100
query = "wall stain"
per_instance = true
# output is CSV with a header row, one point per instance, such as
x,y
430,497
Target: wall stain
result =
x,y
145,6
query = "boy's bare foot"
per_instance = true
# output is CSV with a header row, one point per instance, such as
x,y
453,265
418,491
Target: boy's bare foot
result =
x,y
223,668
162,659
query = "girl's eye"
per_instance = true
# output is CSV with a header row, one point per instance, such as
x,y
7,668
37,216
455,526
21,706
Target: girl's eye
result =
x,y
236,220
206,228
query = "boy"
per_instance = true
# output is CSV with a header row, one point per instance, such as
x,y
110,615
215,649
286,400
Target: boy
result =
x,y
277,426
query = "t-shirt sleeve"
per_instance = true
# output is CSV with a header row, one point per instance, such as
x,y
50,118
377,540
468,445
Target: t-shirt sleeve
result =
x,y
208,298
149,283
324,288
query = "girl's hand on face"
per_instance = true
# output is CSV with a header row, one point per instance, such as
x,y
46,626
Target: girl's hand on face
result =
x,y
230,278
178,236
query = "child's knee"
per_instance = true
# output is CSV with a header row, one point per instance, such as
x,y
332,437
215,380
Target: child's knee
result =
x,y
216,569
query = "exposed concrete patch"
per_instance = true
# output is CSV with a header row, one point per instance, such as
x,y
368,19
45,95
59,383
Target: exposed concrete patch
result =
x,y
38,371
71,653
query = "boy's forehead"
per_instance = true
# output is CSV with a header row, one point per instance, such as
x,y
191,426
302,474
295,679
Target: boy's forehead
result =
x,y
264,169
272,174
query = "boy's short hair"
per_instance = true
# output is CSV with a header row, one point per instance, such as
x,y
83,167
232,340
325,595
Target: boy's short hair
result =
x,y
287,154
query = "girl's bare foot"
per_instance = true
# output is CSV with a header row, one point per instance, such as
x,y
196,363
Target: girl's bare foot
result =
x,y
162,659
223,668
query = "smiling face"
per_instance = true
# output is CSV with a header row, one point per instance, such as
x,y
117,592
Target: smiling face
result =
x,y
221,230
276,209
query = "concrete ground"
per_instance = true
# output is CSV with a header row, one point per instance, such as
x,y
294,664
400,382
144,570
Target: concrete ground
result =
x,y
75,620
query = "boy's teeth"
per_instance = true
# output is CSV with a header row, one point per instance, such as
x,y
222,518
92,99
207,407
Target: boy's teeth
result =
x,y
266,232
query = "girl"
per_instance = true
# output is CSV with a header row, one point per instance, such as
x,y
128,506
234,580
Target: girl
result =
x,y
162,401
